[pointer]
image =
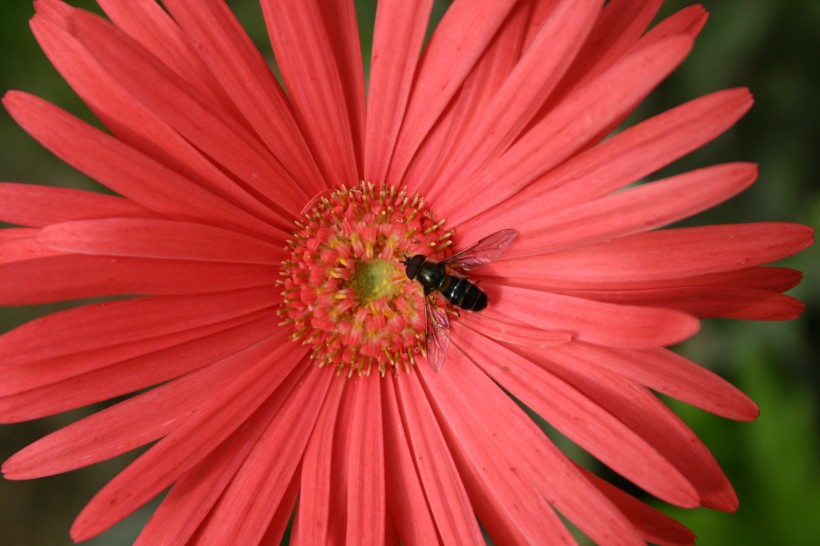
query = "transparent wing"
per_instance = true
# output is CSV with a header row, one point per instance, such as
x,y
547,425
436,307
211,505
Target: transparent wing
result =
x,y
438,334
482,252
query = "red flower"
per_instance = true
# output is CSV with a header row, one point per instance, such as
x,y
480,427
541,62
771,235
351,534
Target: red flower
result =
x,y
243,223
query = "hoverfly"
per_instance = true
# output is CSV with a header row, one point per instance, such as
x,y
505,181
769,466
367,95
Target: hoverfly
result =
x,y
440,277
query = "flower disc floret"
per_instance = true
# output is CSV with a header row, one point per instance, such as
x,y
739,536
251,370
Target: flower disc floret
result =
x,y
345,291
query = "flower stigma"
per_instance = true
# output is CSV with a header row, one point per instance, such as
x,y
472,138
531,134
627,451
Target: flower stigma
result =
x,y
344,288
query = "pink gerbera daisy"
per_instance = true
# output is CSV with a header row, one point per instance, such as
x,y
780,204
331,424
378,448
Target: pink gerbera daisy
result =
x,y
264,242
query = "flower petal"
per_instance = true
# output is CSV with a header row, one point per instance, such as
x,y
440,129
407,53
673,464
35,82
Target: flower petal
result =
x,y
193,495
664,254
161,239
634,210
248,81
507,503
246,507
66,277
555,138
181,106
397,40
304,52
513,333
124,169
582,420
134,422
225,411
443,487
78,340
666,372
137,373
456,45
407,504
621,160
591,321
38,206
366,506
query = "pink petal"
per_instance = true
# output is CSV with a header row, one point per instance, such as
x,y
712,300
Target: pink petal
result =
x,y
284,512
583,421
507,503
161,239
648,417
559,135
634,210
78,340
406,501
655,526
136,125
591,321
397,39
228,407
194,494
136,373
516,334
525,89
625,158
535,456
665,372
311,522
172,99
316,84
132,423
456,45
443,487
366,506
16,246
664,254
248,81
124,169
69,277
689,20
38,206
250,500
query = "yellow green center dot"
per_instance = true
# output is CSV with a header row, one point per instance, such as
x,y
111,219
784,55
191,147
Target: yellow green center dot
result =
x,y
344,289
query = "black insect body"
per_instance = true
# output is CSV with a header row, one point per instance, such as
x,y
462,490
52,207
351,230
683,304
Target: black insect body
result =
x,y
440,278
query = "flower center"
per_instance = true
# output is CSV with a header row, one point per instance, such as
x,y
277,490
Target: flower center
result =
x,y
345,291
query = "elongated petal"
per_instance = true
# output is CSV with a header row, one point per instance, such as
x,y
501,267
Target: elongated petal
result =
x,y
458,42
511,508
75,341
18,246
525,89
397,40
406,501
66,277
559,135
664,254
225,411
666,372
638,209
249,82
188,112
366,505
311,524
625,158
583,421
162,239
535,455
595,322
516,334
191,498
136,373
132,423
304,52
38,206
122,168
440,478
249,502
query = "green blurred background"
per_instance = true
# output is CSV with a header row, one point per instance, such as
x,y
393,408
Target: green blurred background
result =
x,y
771,46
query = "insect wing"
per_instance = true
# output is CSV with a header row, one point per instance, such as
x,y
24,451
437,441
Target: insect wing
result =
x,y
438,335
482,252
